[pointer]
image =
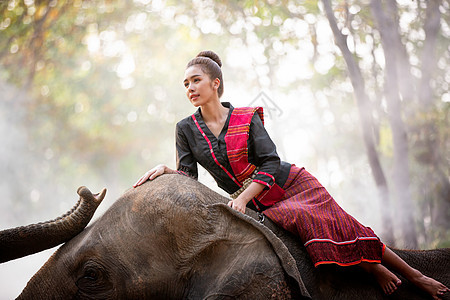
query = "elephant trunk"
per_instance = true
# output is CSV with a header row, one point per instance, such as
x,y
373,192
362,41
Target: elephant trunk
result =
x,y
22,241
44,285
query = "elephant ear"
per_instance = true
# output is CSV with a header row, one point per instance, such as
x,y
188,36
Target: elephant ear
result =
x,y
245,260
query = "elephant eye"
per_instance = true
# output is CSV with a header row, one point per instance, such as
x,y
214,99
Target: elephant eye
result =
x,y
94,280
91,274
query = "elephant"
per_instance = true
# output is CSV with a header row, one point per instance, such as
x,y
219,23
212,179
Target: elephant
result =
x,y
174,238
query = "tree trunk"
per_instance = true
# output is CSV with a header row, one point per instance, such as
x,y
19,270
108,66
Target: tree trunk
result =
x,y
366,119
400,142
435,182
406,82
431,27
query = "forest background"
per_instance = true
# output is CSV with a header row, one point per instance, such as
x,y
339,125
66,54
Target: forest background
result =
x,y
355,91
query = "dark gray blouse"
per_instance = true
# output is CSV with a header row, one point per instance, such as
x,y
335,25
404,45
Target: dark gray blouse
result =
x,y
193,148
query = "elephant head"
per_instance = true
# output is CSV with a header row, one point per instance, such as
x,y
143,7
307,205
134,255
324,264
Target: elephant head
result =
x,y
171,238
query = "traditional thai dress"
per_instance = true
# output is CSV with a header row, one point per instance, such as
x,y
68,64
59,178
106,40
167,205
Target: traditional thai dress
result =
x,y
292,198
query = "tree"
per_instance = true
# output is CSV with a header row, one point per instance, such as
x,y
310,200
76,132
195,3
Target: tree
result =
x,y
401,90
365,111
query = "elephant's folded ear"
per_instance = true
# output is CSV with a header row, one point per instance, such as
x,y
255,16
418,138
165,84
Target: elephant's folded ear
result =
x,y
255,232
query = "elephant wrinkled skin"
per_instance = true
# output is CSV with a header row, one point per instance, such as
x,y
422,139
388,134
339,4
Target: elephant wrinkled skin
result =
x,y
174,238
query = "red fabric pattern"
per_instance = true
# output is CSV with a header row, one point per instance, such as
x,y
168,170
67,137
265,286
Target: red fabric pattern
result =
x,y
236,140
182,173
262,182
330,234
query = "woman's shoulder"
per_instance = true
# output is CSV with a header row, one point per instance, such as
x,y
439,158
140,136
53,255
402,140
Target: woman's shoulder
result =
x,y
186,122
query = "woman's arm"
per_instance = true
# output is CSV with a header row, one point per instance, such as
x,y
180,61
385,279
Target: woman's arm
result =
x,y
262,153
248,194
186,162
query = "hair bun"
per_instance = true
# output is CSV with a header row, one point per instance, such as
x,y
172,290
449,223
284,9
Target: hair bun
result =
x,y
211,55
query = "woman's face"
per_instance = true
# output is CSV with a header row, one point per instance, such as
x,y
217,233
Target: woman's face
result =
x,y
200,89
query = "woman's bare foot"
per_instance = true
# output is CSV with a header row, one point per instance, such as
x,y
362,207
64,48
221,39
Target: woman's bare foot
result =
x,y
385,278
431,286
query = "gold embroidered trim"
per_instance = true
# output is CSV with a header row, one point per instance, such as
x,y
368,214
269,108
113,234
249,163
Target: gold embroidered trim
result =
x,y
245,185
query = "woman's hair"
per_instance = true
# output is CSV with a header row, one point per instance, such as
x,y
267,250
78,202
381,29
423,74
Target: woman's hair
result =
x,y
210,64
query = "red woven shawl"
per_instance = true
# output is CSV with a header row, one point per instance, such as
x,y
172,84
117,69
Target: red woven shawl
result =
x,y
236,140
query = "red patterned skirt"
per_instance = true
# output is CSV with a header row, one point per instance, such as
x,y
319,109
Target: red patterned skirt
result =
x,y
330,235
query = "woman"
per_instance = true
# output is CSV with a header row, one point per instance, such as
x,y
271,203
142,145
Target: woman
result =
x,y
232,144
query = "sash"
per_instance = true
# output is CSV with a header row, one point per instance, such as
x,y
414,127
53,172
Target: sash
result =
x,y
236,141
237,152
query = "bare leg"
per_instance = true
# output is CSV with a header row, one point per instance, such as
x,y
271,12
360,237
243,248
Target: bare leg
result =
x,y
431,286
386,279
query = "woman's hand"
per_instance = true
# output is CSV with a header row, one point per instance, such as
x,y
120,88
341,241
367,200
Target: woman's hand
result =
x,y
238,204
241,201
153,173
